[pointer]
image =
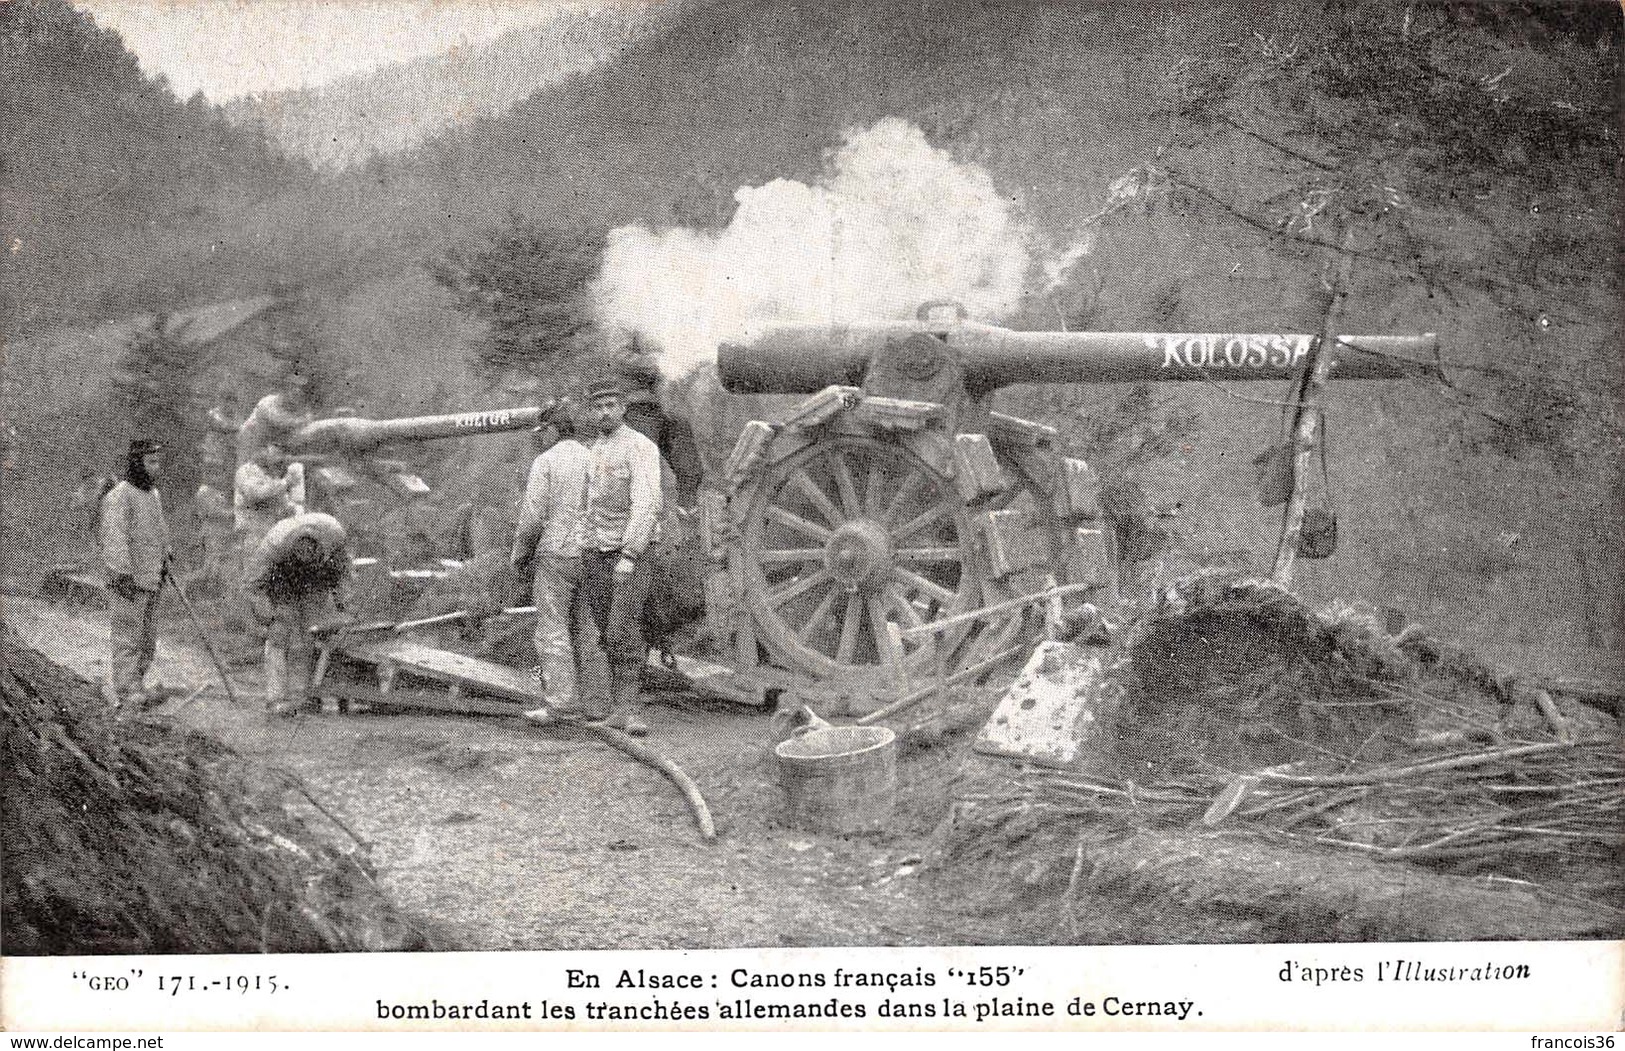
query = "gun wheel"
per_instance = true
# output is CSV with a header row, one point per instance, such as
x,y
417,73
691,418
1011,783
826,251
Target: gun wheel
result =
x,y
844,535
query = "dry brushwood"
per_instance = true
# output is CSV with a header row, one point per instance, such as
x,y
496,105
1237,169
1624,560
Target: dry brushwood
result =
x,y
122,836
1243,709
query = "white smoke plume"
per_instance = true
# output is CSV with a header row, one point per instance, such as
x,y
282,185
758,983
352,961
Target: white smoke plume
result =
x,y
892,222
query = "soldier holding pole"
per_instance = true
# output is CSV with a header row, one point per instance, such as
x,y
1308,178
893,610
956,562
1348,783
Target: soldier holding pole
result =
x,y
135,550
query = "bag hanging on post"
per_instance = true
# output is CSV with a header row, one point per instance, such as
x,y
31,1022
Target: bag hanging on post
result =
x,y
1318,536
1274,469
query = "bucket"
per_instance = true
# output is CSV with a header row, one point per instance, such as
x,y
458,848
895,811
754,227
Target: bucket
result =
x,y
840,779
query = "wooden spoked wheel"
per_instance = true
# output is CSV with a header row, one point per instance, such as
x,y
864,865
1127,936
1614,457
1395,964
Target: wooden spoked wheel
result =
x,y
841,537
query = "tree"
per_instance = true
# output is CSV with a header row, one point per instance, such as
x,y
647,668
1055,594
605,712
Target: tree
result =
x,y
527,282
1375,135
154,386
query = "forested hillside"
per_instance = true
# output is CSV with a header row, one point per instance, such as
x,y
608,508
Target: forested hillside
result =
x,y
1209,160
384,111
115,192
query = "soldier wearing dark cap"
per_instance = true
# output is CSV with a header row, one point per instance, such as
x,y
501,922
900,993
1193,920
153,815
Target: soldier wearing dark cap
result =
x,y
672,435
623,519
135,550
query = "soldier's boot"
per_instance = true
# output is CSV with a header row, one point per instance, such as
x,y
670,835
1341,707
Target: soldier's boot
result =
x,y
628,689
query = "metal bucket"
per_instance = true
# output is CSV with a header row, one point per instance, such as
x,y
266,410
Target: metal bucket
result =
x,y
840,779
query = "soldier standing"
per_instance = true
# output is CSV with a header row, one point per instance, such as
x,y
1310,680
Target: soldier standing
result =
x,y
293,578
276,416
135,551
623,519
671,433
221,568
265,490
547,547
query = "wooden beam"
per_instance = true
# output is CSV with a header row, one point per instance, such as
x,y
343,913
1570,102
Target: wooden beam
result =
x,y
963,675
938,626
1306,421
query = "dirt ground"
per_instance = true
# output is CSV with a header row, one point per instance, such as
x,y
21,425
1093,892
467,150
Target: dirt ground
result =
x,y
511,837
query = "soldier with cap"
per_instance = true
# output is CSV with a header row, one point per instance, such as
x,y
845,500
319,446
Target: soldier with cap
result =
x,y
135,550
623,519
671,433
293,577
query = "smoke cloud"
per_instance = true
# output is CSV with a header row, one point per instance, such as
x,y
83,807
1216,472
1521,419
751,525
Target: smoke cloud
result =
x,y
891,223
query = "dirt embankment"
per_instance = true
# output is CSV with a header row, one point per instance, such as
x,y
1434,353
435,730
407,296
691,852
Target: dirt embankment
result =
x,y
123,836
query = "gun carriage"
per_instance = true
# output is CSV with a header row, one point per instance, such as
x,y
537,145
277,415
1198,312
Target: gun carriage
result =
x,y
894,496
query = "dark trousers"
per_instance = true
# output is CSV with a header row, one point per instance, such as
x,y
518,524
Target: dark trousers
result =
x,y
616,602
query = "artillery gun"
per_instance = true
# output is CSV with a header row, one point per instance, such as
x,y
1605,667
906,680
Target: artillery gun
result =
x,y
894,497
337,448
354,436
333,443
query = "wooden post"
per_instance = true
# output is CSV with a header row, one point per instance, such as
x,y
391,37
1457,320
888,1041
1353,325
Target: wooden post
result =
x,y
1054,612
1306,419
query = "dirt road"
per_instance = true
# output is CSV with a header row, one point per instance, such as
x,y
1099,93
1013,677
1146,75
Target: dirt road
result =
x,y
517,838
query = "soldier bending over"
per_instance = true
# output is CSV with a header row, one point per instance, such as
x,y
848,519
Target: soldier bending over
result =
x,y
292,580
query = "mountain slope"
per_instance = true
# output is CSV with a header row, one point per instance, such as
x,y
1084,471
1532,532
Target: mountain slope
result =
x,y
387,110
102,165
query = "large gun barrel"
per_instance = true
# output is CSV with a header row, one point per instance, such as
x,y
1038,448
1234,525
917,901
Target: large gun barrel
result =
x,y
352,435
799,359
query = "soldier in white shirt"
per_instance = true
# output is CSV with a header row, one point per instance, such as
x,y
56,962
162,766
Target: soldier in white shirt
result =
x,y
135,551
623,519
547,547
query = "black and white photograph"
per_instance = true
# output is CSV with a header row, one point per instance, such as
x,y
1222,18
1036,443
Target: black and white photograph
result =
x,y
609,476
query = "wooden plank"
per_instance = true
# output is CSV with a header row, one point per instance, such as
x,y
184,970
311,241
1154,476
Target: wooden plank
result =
x,y
747,453
1087,560
87,580
1014,431
454,668
823,407
1078,494
711,680
426,700
898,414
73,584
1049,714
1014,542
976,469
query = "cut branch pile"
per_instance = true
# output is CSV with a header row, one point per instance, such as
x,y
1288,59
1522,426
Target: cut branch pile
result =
x,y
1529,812
1239,708
122,836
